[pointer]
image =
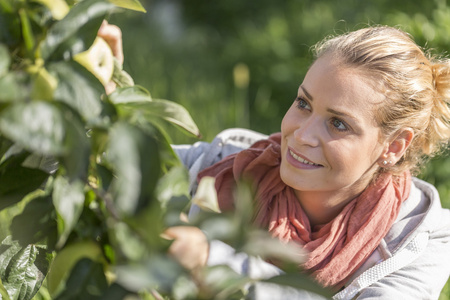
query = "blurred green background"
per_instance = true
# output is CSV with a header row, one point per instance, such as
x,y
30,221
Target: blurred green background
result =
x,y
239,63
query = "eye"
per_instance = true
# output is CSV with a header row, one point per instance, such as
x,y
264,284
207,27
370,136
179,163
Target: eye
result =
x,y
339,125
302,103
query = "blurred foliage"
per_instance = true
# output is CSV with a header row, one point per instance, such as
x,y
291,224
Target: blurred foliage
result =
x,y
88,179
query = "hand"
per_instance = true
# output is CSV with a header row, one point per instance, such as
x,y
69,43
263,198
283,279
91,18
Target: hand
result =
x,y
190,246
113,37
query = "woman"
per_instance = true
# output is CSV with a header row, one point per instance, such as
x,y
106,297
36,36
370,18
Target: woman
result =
x,y
337,179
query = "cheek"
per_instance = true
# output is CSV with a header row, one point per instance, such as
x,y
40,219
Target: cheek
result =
x,y
352,159
343,157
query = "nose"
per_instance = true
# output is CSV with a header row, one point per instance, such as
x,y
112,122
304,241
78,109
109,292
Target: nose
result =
x,y
307,132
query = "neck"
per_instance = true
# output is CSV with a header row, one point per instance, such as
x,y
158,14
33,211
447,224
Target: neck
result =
x,y
322,207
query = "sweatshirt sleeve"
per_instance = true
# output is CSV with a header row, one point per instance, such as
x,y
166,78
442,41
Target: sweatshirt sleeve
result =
x,y
423,278
256,268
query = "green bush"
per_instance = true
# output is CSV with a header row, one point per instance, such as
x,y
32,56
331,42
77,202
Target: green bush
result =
x,y
89,181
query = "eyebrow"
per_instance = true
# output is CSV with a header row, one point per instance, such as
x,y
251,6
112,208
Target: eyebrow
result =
x,y
308,95
338,113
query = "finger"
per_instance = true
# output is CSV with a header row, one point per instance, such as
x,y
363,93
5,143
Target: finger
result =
x,y
113,36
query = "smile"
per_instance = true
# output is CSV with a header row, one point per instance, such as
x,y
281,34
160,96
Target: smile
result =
x,y
304,161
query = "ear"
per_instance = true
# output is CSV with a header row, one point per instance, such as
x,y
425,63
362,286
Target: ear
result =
x,y
396,148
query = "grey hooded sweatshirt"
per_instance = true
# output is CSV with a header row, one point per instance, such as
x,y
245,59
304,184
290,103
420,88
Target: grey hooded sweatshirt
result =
x,y
411,262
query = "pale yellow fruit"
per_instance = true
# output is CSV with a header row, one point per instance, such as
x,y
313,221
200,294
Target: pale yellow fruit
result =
x,y
66,259
98,59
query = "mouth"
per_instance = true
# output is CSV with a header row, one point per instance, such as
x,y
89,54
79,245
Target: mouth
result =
x,y
303,160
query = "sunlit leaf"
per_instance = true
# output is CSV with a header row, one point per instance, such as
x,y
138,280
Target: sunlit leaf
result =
x,y
58,8
22,269
206,195
5,60
98,59
77,31
44,85
168,111
4,293
68,198
130,94
37,126
129,4
27,32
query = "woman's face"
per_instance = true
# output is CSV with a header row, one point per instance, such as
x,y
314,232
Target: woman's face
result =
x,y
330,139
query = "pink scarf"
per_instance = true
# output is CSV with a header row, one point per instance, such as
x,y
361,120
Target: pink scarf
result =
x,y
336,249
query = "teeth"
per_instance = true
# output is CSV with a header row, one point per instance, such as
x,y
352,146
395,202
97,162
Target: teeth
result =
x,y
301,159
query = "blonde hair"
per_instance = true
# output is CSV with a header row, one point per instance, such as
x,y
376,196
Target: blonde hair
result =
x,y
416,86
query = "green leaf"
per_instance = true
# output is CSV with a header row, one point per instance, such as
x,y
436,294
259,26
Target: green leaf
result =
x,y
44,85
68,199
78,88
58,8
206,195
10,28
76,157
36,223
5,146
37,126
134,155
127,242
86,281
132,94
12,91
129,4
17,181
173,185
223,281
77,31
22,270
27,32
3,293
261,243
5,60
48,129
156,110
156,272
65,261
120,77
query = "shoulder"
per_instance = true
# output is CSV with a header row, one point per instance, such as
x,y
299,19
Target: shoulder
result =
x,y
412,259
225,143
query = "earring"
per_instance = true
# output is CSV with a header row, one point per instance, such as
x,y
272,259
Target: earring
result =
x,y
386,162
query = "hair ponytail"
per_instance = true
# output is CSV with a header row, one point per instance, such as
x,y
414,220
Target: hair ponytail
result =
x,y
440,115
